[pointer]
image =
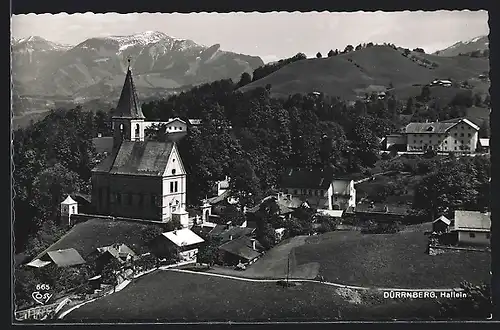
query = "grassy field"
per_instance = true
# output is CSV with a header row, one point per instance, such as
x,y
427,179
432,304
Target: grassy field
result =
x,y
177,297
349,75
390,260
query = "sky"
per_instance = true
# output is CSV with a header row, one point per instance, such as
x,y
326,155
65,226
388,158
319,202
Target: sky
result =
x,y
271,36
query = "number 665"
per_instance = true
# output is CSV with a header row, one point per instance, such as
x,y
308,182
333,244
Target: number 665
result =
x,y
43,286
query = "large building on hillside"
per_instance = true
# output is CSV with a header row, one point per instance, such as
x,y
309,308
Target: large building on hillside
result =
x,y
139,179
319,189
456,135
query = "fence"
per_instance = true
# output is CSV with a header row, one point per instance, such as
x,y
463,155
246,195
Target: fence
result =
x,y
40,312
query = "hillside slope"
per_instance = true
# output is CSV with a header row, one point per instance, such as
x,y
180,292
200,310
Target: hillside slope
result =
x,y
353,74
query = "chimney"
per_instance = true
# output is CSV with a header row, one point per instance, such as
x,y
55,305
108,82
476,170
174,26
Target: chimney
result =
x,y
254,246
230,237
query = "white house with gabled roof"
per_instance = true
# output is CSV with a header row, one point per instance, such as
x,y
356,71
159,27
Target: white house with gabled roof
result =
x,y
455,135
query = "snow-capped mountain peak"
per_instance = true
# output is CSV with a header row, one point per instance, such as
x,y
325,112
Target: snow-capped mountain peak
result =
x,y
478,43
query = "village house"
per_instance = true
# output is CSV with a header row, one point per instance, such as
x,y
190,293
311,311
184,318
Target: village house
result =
x,y
139,179
483,145
319,189
456,135
394,142
472,227
117,251
441,225
182,243
59,258
244,250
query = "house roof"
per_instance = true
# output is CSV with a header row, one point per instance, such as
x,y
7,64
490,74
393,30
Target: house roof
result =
x,y
305,178
472,221
128,104
235,232
69,201
117,250
183,237
37,263
103,144
241,247
217,230
221,198
332,213
137,158
437,127
86,237
443,219
283,209
171,120
195,121
66,258
484,142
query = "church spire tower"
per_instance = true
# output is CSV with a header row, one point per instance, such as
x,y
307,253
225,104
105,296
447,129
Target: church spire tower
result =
x,y
128,119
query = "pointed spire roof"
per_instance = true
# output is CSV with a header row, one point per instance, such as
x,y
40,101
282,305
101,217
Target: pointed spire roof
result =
x,y
128,105
69,200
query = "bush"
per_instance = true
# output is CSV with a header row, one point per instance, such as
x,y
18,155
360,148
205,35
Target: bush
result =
x,y
477,304
381,228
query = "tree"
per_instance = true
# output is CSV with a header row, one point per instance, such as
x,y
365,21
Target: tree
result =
x,y
111,272
477,303
425,93
484,129
409,106
455,185
358,47
318,55
245,79
208,252
331,53
348,49
477,100
233,214
419,50
406,52
244,184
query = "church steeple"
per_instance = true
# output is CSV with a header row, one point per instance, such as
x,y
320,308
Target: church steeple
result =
x,y
128,119
128,105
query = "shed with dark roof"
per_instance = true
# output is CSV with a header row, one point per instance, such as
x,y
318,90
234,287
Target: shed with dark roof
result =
x,y
243,249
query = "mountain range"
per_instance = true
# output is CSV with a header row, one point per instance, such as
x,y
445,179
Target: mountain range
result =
x,y
43,70
463,47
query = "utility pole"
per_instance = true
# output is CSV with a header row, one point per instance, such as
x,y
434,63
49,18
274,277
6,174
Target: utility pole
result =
x,y
288,269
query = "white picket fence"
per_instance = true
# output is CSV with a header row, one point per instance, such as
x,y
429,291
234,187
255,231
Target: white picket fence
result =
x,y
40,312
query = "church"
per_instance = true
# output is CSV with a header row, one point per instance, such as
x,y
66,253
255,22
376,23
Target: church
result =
x,y
139,179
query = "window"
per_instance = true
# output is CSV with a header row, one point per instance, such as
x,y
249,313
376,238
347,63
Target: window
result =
x,y
118,198
315,192
141,200
461,134
445,148
455,134
455,148
414,141
446,141
130,198
310,192
462,141
488,235
153,200
322,193
469,135
173,171
176,187
73,209
171,187
421,141
295,191
472,235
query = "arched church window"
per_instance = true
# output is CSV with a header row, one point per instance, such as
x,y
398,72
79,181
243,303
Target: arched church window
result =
x,y
121,127
73,209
